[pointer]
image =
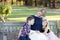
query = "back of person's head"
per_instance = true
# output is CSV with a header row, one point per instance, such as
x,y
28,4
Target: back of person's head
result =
x,y
42,11
30,18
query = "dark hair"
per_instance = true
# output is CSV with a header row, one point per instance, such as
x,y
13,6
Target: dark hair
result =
x,y
30,18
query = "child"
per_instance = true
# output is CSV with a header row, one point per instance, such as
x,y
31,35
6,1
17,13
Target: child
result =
x,y
37,34
45,25
49,34
24,33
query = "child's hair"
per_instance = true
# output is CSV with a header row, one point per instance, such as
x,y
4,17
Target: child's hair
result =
x,y
44,19
30,18
43,10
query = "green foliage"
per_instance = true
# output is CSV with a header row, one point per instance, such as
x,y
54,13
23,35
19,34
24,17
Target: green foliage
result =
x,y
1,9
5,10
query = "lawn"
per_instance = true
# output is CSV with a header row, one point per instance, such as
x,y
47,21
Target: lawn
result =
x,y
23,11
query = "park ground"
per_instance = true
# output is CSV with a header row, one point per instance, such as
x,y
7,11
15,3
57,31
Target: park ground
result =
x,y
20,13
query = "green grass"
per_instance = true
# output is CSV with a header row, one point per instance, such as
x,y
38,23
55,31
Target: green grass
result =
x,y
23,7
25,13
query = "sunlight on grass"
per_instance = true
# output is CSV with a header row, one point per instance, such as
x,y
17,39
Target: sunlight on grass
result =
x,y
23,19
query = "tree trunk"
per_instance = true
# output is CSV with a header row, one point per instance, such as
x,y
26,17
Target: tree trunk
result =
x,y
46,2
12,2
53,4
0,0
3,2
30,2
26,2
49,3
37,2
33,3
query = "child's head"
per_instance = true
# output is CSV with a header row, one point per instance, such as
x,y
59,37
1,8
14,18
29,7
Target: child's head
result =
x,y
44,23
30,20
41,12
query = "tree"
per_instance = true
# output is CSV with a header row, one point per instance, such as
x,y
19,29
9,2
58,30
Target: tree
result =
x,y
53,3
26,2
33,3
5,10
47,3
37,2
29,2
1,18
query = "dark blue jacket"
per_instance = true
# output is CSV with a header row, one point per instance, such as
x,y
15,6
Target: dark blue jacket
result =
x,y
37,25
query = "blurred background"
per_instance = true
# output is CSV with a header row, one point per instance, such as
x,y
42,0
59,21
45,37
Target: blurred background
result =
x,y
13,14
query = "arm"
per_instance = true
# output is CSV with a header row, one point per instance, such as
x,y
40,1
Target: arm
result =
x,y
23,30
47,28
20,32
